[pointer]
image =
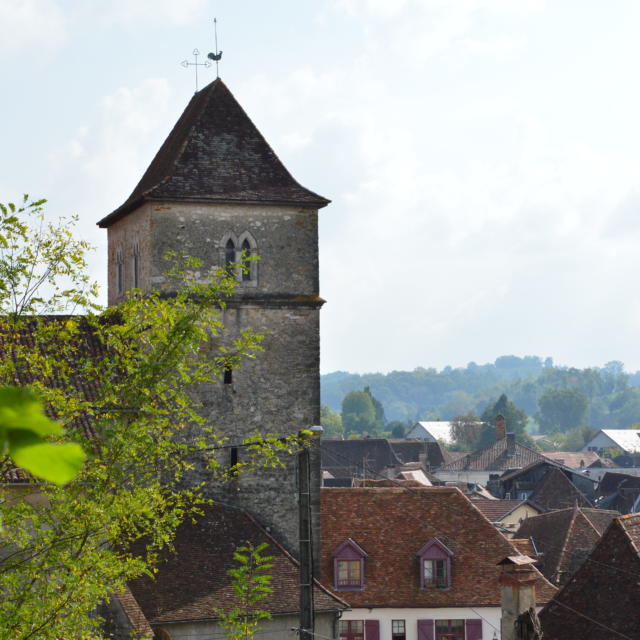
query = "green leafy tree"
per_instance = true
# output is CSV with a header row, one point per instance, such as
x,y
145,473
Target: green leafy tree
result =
x,y
65,552
465,431
562,410
331,422
251,583
397,428
516,419
358,413
25,433
378,408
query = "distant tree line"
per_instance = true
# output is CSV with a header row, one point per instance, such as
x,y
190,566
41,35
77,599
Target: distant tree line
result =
x,y
554,400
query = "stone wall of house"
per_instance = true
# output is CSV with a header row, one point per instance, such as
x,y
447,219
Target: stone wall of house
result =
x,y
280,626
278,391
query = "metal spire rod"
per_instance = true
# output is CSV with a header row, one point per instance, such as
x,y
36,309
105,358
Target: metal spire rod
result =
x,y
215,56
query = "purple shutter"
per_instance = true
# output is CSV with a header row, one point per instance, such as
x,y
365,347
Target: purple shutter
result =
x,y
425,629
473,628
371,630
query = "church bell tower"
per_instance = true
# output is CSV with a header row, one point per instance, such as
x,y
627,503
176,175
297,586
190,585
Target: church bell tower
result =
x,y
216,191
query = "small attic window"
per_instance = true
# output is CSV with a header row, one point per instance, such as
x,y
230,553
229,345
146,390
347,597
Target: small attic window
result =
x,y
435,565
348,567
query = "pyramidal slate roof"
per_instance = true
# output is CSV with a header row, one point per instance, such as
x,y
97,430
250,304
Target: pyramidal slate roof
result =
x,y
216,154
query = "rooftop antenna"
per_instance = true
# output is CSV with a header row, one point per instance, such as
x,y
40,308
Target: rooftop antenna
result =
x,y
218,54
186,64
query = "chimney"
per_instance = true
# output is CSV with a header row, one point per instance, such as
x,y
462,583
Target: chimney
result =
x,y
511,444
517,593
501,427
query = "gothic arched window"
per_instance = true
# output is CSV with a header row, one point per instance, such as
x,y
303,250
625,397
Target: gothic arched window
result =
x,y
229,256
246,262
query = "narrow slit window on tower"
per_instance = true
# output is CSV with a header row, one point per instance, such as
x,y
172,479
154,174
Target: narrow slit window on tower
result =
x,y
227,377
136,266
233,461
119,270
229,256
246,262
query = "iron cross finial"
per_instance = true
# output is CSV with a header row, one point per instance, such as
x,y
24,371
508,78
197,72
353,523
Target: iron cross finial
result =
x,y
186,64
218,54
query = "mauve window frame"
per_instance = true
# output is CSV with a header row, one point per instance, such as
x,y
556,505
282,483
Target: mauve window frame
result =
x,y
349,551
436,550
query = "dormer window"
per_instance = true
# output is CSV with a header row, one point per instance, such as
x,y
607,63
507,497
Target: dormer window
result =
x,y
348,566
435,565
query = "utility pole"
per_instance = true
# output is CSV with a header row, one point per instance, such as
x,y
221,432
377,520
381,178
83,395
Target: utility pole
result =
x,y
307,623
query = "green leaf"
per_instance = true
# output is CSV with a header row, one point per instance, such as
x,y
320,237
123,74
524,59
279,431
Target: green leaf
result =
x,y
21,409
57,463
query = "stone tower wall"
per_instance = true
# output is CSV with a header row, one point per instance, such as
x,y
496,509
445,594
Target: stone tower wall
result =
x,y
278,392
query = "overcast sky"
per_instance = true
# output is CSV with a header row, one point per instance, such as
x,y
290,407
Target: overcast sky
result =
x,y
482,156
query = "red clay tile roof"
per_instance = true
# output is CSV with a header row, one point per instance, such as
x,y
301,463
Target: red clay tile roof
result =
x,y
602,599
494,457
139,624
495,510
193,582
393,524
558,492
573,459
216,154
564,538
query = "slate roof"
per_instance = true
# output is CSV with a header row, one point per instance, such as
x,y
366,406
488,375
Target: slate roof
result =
x,y
494,458
564,538
191,583
573,459
345,458
214,153
393,524
611,481
410,449
602,598
496,510
558,492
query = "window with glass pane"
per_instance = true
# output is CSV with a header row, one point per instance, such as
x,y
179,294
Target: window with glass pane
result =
x,y
449,629
349,573
351,630
435,573
398,630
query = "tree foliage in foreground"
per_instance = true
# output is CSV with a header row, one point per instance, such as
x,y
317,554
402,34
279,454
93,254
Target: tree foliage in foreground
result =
x,y
251,583
123,393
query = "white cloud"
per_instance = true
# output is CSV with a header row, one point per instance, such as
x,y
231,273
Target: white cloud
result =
x,y
95,171
136,12
38,24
